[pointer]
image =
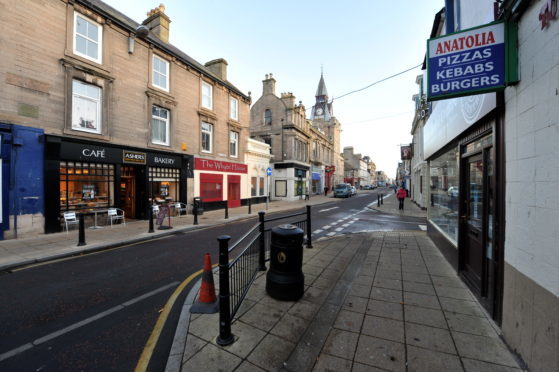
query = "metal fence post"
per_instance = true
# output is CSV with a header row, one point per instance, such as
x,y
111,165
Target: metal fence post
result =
x,y
225,336
262,243
81,236
249,206
309,243
226,209
150,213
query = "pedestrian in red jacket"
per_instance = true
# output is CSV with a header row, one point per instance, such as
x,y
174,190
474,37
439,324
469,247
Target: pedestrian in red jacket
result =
x,y
401,195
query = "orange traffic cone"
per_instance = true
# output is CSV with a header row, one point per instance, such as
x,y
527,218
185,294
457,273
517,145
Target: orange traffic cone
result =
x,y
207,301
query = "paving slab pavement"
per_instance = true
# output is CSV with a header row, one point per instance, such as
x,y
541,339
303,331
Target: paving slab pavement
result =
x,y
373,301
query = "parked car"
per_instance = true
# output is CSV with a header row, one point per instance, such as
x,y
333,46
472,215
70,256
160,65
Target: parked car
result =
x,y
367,187
342,190
353,190
453,191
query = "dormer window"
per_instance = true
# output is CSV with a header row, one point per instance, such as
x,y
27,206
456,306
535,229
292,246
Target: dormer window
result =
x,y
88,36
268,117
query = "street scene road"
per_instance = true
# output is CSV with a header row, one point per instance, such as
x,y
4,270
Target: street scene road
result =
x,y
97,311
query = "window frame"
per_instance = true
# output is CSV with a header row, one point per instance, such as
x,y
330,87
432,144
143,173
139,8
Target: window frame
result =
x,y
236,110
167,125
266,117
153,72
99,60
205,84
210,133
234,140
99,129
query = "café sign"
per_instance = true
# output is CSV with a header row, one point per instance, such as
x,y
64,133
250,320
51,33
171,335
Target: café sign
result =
x,y
473,61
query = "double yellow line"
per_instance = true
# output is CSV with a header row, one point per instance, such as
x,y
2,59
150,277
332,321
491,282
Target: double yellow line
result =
x,y
154,337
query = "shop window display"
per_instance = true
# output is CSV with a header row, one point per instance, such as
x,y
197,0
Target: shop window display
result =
x,y
445,193
164,183
85,186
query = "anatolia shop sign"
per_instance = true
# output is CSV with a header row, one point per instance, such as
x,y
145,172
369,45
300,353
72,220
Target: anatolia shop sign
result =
x,y
220,166
474,61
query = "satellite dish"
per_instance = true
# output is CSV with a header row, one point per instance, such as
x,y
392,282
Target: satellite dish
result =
x,y
142,31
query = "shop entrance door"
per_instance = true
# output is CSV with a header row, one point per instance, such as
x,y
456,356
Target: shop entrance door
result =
x,y
233,191
128,191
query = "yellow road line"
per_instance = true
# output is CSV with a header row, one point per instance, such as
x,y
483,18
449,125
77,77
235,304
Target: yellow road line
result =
x,y
154,337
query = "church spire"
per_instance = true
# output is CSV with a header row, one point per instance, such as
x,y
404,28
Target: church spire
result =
x,y
321,90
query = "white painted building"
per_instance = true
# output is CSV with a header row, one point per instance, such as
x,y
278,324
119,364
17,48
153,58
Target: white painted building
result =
x,y
257,159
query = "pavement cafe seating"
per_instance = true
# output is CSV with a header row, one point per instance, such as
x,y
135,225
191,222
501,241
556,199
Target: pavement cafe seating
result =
x,y
70,219
116,214
180,208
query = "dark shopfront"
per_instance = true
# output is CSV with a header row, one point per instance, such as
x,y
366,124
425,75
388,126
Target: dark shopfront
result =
x,y
84,176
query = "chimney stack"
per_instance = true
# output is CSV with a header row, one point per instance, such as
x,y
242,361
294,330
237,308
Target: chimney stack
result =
x,y
218,67
269,85
158,23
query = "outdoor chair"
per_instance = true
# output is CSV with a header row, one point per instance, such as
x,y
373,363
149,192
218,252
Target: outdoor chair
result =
x,y
116,214
155,209
70,219
181,207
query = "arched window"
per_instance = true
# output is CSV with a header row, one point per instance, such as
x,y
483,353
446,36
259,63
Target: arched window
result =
x,y
268,117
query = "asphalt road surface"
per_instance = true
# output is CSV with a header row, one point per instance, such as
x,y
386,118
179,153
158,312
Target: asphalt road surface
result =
x,y
96,312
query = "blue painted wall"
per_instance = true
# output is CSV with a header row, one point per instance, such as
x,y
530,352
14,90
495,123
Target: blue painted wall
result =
x,y
22,173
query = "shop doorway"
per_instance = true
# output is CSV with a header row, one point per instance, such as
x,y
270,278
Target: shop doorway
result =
x,y
233,191
128,191
479,263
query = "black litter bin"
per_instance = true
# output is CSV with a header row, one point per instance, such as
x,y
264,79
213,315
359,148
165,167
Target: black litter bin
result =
x,y
285,280
198,207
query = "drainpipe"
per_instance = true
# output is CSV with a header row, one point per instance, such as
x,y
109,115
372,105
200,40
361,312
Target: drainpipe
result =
x,y
449,16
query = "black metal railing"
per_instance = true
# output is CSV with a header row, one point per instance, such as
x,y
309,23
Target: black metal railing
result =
x,y
239,264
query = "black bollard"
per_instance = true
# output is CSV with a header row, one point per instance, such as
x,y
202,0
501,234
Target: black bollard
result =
x,y
81,237
378,200
381,199
249,207
195,212
225,336
150,213
226,209
309,233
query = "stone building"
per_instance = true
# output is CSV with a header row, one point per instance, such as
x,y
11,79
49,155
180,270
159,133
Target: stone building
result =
x,y
419,167
356,169
119,116
303,159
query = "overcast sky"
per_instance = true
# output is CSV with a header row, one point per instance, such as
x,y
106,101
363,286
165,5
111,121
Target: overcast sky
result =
x,y
358,42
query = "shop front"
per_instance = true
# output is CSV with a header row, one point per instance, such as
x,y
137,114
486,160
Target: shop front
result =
x,y
220,182
86,177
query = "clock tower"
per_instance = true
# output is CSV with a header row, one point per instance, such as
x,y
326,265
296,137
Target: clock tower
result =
x,y
321,109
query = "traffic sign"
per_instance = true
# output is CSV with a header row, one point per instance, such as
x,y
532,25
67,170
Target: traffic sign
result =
x,y
269,171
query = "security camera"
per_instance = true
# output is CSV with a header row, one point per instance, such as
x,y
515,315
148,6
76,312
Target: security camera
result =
x,y
142,31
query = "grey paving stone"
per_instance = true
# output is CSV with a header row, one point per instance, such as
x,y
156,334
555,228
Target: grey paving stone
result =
x,y
388,274
422,288
388,329
357,304
421,300
470,324
290,327
461,306
328,363
429,338
358,367
262,317
246,338
471,365
488,349
315,295
363,280
446,281
389,267
388,283
452,292
417,278
384,294
341,344
370,272
283,306
248,367
429,360
349,321
385,309
312,269
193,345
212,358
418,269
380,353
246,305
360,290
206,327
323,282
271,353
304,309
425,316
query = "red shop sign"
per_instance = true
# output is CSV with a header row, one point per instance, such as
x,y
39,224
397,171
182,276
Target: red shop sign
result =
x,y
219,166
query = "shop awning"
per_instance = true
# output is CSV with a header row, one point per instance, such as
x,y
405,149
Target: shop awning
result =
x,y
315,176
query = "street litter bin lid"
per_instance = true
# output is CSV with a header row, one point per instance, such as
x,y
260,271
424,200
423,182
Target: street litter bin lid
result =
x,y
287,226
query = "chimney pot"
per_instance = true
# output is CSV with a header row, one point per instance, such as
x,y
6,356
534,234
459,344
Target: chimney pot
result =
x,y
158,22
